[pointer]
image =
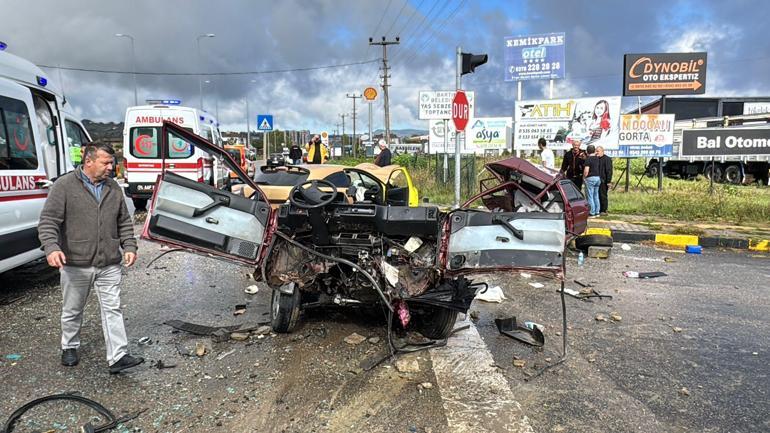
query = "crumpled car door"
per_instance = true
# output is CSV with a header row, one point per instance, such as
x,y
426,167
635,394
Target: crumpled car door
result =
x,y
481,241
202,218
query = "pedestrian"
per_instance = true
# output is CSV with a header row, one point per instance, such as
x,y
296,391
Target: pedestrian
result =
x,y
83,227
316,151
384,157
295,154
573,162
546,155
605,170
592,176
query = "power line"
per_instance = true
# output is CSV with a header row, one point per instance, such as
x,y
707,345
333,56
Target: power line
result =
x,y
378,25
410,42
435,33
397,17
410,17
269,71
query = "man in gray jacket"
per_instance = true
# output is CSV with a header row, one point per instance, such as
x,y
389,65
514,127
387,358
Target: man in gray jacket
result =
x,y
83,227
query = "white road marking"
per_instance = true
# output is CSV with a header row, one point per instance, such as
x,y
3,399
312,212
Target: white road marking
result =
x,y
476,397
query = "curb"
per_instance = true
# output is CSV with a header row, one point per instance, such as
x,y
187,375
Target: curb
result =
x,y
761,245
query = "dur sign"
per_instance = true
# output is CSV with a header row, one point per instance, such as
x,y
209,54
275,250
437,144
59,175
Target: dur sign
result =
x,y
719,142
664,74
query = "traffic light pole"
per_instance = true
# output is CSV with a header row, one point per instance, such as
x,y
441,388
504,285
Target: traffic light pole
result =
x,y
459,133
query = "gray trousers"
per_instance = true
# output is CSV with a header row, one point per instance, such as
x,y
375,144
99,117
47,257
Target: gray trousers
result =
x,y
76,283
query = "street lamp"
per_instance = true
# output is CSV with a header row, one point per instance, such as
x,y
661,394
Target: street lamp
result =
x,y
200,64
248,120
133,61
216,98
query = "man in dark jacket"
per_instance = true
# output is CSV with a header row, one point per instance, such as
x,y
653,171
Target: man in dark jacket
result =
x,y
605,168
384,157
572,164
83,227
295,154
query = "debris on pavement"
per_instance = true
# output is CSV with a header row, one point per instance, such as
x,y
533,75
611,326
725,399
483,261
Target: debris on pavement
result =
x,y
239,309
491,294
374,340
263,330
583,283
529,335
144,340
252,289
407,364
676,329
601,318
223,355
644,275
693,249
200,349
160,365
204,330
426,385
684,392
355,339
239,336
13,357
669,259
537,285
519,363
625,247
595,252
615,317
525,275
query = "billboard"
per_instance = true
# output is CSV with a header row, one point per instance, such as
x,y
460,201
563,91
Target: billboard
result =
x,y
645,136
437,104
534,57
664,74
719,142
592,120
489,133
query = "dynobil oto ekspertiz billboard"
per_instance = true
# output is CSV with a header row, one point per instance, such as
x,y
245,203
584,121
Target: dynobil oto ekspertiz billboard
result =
x,y
560,121
664,74
718,142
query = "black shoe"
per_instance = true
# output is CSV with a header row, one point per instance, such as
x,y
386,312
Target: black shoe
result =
x,y
127,361
69,357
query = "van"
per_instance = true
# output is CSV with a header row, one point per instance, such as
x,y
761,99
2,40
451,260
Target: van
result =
x,y
40,140
238,152
144,159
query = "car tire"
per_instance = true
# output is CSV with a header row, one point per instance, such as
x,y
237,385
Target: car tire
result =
x,y
583,242
433,322
284,311
139,203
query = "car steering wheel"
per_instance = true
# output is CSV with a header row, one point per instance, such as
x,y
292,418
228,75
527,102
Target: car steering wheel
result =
x,y
312,197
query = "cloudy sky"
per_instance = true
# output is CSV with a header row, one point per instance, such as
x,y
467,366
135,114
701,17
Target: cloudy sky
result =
x,y
261,36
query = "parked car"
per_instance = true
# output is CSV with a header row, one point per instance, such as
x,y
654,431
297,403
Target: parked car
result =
x,y
276,159
366,182
322,248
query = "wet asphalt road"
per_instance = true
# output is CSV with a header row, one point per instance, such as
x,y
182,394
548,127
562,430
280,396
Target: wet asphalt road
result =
x,y
638,374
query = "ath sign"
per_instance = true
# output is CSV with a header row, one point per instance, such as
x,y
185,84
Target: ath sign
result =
x,y
664,74
460,110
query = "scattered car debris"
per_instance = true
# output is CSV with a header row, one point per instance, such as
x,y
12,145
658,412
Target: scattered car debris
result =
x,y
160,365
200,349
355,339
625,247
252,289
519,363
491,294
224,355
239,336
583,283
585,294
669,259
13,357
615,317
601,318
532,336
263,330
525,275
144,340
693,249
407,364
644,275
426,385
684,392
239,309
373,340
676,329
204,330
537,285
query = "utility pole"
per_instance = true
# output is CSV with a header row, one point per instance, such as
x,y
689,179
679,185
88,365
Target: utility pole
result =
x,y
355,141
385,77
343,115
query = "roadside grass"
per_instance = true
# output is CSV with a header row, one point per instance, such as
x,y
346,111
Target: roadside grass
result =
x,y
683,200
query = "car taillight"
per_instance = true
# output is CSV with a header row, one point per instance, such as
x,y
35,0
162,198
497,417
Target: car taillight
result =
x,y
199,167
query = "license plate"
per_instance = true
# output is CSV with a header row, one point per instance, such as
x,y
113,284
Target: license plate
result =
x,y
145,188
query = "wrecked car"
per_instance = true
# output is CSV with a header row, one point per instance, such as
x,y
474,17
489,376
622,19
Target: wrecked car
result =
x,y
323,248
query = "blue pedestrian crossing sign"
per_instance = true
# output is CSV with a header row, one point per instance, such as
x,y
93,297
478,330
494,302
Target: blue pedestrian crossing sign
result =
x,y
265,122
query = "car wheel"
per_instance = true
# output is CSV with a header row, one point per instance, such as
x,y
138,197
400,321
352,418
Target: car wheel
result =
x,y
284,310
140,203
433,322
583,242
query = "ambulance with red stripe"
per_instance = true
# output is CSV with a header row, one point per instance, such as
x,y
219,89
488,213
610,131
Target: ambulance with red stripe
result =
x,y
145,159
39,141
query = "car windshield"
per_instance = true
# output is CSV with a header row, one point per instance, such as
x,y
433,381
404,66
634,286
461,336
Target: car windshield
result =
x,y
280,176
236,154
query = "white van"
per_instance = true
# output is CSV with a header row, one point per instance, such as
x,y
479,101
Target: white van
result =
x,y
39,141
144,158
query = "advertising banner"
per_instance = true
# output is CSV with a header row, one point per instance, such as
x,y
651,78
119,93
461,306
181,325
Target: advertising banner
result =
x,y
664,74
437,104
436,138
645,136
718,142
756,107
534,57
591,120
489,133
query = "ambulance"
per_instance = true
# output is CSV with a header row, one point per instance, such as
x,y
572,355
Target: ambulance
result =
x,y
145,160
40,140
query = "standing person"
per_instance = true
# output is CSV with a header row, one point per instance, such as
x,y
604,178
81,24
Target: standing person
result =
x,y
592,175
605,170
572,165
316,151
384,157
546,155
83,227
295,154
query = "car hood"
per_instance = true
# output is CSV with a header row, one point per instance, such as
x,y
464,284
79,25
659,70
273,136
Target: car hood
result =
x,y
503,170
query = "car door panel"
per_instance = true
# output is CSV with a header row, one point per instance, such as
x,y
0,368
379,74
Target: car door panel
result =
x,y
493,240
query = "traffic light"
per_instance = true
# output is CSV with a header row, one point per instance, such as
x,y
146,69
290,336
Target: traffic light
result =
x,y
470,61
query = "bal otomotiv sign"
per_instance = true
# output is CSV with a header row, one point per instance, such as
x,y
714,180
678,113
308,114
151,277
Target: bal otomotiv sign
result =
x,y
664,74
719,142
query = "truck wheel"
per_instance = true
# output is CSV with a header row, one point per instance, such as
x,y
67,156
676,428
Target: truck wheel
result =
x,y
433,322
717,172
284,310
583,242
734,174
652,169
140,203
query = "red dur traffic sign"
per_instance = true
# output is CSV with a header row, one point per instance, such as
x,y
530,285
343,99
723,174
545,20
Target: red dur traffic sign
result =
x,y
460,110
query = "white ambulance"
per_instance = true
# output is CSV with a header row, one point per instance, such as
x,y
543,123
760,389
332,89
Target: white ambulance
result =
x,y
145,160
39,141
